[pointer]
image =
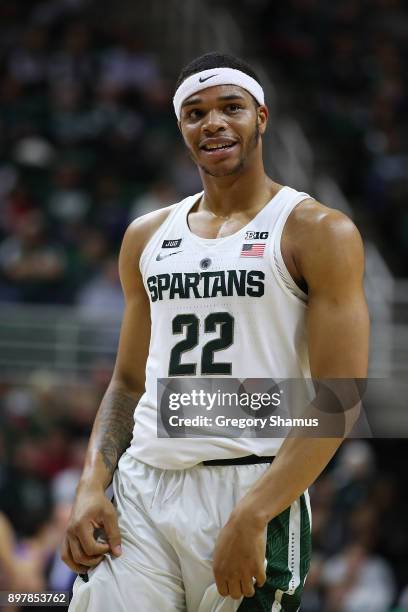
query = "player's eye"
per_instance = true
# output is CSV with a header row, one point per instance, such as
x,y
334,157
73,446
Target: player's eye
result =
x,y
233,108
194,114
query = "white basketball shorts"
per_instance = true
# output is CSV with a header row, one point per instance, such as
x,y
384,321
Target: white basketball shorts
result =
x,y
169,522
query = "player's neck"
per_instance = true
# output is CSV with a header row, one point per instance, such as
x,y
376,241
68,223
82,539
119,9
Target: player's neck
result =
x,y
246,190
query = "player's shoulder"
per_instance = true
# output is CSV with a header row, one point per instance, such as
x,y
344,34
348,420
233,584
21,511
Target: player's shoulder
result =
x,y
136,237
150,222
141,229
325,243
313,222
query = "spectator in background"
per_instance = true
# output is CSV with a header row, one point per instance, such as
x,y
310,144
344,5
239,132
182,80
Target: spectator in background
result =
x,y
69,121
74,63
50,11
312,600
354,471
69,203
351,481
356,580
403,601
161,193
32,265
32,563
110,207
102,297
28,61
127,65
112,116
14,198
64,484
90,249
25,494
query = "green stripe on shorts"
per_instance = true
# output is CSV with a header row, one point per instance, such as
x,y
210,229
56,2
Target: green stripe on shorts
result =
x,y
288,553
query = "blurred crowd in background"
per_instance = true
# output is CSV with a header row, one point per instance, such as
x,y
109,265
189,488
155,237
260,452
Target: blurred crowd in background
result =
x,y
88,139
345,62
44,431
360,561
88,142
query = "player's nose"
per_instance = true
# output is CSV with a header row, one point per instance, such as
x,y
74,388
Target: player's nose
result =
x,y
213,122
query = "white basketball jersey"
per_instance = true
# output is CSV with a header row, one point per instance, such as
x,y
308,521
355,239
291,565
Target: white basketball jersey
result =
x,y
219,307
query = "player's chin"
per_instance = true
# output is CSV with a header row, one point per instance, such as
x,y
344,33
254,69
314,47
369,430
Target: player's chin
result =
x,y
226,168
221,160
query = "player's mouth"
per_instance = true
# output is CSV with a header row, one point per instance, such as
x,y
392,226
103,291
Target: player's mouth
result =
x,y
218,148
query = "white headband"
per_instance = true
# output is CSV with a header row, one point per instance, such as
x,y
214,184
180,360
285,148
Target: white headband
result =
x,y
211,78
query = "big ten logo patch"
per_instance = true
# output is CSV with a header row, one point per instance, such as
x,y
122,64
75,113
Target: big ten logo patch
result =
x,y
256,235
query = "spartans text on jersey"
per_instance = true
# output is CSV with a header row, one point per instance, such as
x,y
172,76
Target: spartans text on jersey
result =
x,y
224,283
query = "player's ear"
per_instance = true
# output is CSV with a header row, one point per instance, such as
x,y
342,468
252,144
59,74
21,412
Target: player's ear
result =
x,y
263,114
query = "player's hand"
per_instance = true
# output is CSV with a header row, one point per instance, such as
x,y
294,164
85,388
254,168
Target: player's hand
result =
x,y
239,556
92,513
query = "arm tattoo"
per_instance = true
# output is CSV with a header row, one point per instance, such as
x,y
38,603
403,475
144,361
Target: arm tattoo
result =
x,y
115,426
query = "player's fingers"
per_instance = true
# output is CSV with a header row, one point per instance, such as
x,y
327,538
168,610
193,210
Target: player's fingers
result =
x,y
66,556
234,589
110,523
81,557
89,545
260,576
247,587
222,588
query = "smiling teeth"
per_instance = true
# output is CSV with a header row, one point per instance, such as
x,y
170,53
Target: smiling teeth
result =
x,y
220,146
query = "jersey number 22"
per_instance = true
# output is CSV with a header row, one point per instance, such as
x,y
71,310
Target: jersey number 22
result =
x,y
189,325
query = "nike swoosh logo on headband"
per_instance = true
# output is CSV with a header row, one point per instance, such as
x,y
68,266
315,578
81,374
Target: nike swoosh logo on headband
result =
x,y
201,79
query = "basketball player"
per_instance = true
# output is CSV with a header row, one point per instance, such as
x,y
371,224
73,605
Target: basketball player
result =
x,y
248,279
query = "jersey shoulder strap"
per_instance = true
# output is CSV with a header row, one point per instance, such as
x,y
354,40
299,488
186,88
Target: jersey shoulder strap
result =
x,y
173,222
284,278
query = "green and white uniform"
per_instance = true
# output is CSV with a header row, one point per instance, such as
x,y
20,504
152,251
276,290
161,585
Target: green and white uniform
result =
x,y
219,307
205,290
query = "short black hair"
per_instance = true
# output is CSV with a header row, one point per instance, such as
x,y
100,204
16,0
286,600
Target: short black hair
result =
x,y
215,60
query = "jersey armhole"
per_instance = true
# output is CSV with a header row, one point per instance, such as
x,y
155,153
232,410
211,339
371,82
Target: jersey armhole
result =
x,y
279,268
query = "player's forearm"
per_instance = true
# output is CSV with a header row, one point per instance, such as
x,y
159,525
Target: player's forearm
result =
x,y
301,458
111,435
297,465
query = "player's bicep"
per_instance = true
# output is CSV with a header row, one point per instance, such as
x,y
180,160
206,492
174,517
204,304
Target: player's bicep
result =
x,y
338,336
337,317
133,343
135,329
